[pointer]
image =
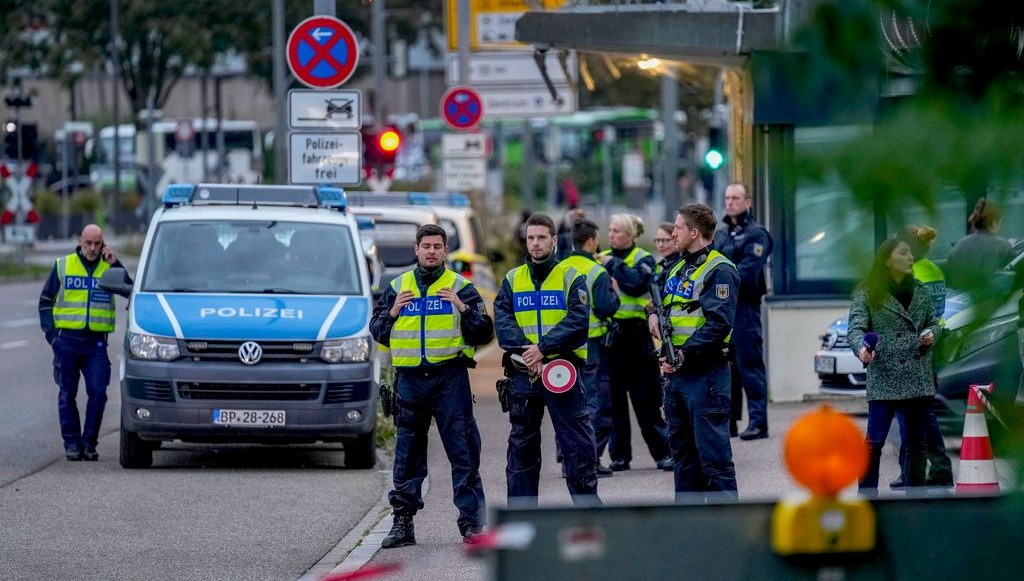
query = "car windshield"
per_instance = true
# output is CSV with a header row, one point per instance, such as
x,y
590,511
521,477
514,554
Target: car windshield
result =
x,y
395,242
252,257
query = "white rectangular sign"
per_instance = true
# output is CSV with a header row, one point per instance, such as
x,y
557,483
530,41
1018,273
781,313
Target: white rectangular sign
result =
x,y
325,109
325,158
464,175
523,102
514,67
464,145
496,27
20,233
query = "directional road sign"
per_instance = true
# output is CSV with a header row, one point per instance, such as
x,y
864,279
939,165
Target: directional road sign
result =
x,y
325,158
521,102
462,108
324,109
322,52
492,22
511,67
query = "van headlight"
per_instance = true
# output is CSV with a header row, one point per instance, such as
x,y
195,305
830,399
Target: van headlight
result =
x,y
153,348
356,350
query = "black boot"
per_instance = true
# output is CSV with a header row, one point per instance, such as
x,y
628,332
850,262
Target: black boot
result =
x,y
402,533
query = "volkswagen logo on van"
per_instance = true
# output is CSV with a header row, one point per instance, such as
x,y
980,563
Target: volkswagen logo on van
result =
x,y
250,352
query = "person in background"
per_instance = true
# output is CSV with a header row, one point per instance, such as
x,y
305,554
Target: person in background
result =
x,y
940,469
668,256
604,304
894,306
564,246
76,316
980,253
633,364
747,243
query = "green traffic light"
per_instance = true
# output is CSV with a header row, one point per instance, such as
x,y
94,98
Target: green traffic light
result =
x,y
714,159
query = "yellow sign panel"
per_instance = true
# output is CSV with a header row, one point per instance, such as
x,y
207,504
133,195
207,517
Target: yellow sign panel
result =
x,y
491,22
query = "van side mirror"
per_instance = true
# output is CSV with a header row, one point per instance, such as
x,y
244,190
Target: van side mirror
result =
x,y
115,280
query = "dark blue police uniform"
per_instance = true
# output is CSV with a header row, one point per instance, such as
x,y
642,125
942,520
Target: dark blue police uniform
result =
x,y
440,391
527,399
747,244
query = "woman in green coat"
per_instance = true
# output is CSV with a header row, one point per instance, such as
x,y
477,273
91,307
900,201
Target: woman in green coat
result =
x,y
898,309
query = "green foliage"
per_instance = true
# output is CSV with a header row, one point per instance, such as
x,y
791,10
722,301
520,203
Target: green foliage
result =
x,y
85,202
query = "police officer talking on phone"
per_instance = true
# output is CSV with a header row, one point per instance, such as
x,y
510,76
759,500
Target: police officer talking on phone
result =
x,y
542,313
76,316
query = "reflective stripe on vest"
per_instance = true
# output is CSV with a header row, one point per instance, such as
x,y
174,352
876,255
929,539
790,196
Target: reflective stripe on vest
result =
x,y
538,311
428,327
932,278
631,307
80,301
680,295
593,269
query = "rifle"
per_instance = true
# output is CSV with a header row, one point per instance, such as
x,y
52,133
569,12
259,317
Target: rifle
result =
x,y
664,325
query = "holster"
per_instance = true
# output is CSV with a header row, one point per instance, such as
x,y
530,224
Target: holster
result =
x,y
504,387
387,400
609,337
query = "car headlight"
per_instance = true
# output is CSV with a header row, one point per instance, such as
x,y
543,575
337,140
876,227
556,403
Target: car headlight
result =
x,y
989,333
143,346
356,350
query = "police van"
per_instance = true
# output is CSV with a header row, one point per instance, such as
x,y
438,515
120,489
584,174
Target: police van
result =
x,y
248,321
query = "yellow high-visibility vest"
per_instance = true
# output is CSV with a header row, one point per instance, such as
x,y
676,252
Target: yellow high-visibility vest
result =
x,y
631,307
538,311
682,295
593,269
932,278
428,327
80,301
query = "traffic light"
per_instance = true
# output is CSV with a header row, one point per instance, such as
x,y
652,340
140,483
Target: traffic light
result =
x,y
29,140
380,147
714,158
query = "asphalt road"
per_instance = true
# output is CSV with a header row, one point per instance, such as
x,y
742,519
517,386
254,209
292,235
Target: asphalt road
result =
x,y
199,513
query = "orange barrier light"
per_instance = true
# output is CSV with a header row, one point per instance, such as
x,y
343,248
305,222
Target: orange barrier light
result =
x,y
825,451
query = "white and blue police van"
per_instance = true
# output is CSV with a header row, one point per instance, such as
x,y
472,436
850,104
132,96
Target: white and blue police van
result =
x,y
248,321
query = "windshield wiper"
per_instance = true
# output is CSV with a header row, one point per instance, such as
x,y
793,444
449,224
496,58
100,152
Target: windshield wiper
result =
x,y
174,290
282,291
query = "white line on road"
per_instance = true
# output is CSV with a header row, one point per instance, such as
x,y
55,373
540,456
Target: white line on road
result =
x,y
18,323
13,344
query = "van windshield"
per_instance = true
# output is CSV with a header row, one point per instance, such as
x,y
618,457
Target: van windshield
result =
x,y
252,257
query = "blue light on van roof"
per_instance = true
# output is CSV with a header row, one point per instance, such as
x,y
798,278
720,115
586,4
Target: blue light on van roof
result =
x,y
330,197
419,199
366,222
459,200
178,194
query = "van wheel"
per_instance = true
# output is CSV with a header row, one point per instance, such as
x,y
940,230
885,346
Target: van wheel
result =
x,y
135,453
361,453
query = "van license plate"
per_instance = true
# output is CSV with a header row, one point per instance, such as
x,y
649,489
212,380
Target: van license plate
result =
x,y
252,418
824,364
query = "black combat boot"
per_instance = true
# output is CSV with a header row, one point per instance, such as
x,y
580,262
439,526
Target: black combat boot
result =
x,y
402,533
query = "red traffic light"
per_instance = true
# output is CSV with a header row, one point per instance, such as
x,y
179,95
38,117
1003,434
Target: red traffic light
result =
x,y
389,140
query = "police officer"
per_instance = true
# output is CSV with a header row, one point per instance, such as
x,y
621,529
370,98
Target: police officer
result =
x,y
604,304
76,316
542,312
747,243
700,297
633,364
432,319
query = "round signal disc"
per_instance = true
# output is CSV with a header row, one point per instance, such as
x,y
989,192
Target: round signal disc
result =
x,y
558,376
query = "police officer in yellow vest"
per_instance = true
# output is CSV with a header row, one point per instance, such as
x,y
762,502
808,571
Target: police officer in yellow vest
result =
x,y
433,319
604,303
541,313
633,363
700,296
76,316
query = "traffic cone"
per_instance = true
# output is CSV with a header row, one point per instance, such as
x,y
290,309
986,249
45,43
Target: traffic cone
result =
x,y
977,467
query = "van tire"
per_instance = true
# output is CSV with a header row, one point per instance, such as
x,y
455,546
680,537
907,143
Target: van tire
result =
x,y
361,453
135,453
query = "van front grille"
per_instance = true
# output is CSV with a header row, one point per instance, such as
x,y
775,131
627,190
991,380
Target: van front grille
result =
x,y
249,391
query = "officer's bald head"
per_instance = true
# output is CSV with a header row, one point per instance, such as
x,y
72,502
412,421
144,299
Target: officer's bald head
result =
x,y
91,241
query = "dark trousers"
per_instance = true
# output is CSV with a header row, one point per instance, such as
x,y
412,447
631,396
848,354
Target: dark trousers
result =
x,y
697,406
444,395
71,358
747,338
573,433
736,393
635,377
880,416
940,468
597,385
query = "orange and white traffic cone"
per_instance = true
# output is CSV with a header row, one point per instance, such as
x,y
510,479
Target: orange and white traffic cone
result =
x,y
977,467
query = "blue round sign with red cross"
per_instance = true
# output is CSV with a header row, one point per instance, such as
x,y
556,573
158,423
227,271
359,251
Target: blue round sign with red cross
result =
x,y
462,108
322,52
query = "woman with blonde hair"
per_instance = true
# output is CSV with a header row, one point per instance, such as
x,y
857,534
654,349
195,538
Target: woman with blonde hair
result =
x,y
633,364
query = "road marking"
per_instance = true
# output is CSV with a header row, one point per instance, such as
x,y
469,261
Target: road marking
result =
x,y
13,344
18,323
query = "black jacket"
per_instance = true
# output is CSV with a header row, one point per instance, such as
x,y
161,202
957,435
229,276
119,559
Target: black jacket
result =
x,y
747,244
718,303
634,281
475,324
570,333
49,294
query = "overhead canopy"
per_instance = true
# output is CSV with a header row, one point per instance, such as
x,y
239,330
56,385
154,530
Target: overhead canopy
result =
x,y
712,32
